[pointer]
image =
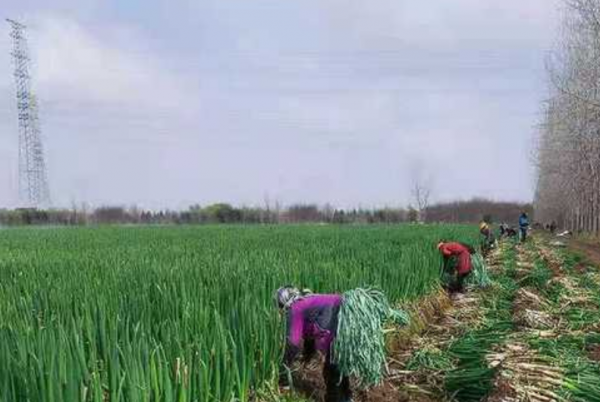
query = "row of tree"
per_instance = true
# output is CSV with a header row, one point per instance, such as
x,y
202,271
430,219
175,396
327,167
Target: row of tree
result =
x,y
478,209
222,213
568,157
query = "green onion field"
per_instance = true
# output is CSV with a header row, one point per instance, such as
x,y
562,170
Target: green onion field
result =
x,y
180,313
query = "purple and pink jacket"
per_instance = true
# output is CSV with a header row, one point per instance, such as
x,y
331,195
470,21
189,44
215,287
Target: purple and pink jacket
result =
x,y
315,318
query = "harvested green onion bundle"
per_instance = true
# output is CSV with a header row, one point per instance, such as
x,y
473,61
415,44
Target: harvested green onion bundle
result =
x,y
479,276
359,348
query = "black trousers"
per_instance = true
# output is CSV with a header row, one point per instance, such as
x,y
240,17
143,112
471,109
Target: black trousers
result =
x,y
457,283
523,234
338,387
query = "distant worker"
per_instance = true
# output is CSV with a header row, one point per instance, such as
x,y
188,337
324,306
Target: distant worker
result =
x,y
484,228
502,228
523,226
553,227
489,240
456,274
506,231
510,231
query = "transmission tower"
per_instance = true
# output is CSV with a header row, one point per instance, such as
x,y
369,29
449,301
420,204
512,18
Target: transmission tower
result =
x,y
33,182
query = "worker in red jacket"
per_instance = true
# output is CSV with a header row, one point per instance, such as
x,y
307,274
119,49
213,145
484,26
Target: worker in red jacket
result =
x,y
462,254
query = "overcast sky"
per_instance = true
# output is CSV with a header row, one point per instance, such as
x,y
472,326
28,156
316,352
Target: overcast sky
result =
x,y
169,103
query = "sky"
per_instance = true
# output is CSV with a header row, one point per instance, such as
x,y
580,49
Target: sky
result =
x,y
165,104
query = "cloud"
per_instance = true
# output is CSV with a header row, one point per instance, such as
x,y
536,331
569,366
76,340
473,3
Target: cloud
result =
x,y
338,25
446,24
76,65
92,93
319,100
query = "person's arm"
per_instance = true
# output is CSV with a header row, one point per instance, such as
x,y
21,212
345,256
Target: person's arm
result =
x,y
293,343
295,334
446,252
446,255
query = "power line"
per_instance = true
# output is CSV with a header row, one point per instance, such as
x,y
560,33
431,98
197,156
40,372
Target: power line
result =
x,y
33,182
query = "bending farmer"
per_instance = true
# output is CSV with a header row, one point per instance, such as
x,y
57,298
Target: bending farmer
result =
x,y
460,254
312,321
489,241
348,329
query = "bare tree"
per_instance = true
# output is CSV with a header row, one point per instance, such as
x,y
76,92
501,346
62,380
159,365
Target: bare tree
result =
x,y
266,215
421,193
568,155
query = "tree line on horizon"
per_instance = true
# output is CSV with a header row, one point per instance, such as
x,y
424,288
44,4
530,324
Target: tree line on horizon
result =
x,y
470,211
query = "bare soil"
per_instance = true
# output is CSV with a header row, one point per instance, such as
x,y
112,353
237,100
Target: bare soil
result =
x,y
503,392
308,379
591,250
386,392
309,383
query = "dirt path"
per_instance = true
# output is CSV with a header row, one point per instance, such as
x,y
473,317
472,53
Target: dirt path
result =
x,y
590,250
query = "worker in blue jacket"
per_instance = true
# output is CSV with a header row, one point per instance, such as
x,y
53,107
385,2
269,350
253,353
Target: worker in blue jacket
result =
x,y
523,226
